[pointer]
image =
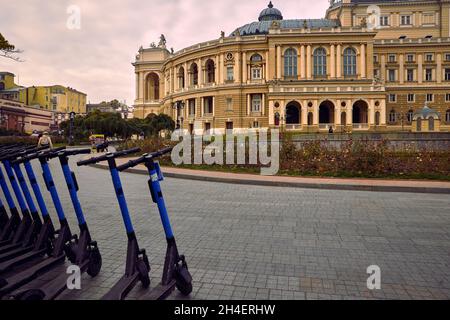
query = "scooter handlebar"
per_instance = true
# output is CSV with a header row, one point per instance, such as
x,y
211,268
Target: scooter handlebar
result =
x,y
105,157
145,158
37,155
74,152
12,154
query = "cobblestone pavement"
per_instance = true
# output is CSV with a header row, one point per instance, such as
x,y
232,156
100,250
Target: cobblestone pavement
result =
x,y
254,242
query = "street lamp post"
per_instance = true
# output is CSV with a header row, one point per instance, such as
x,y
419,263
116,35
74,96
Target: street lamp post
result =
x,y
71,123
178,106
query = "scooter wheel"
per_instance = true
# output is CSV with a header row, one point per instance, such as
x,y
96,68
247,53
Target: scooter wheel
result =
x,y
95,262
143,273
31,295
184,281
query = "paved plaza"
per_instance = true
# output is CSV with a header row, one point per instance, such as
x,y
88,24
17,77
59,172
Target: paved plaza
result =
x,y
256,242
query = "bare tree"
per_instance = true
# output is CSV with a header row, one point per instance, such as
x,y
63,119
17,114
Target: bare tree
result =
x,y
8,50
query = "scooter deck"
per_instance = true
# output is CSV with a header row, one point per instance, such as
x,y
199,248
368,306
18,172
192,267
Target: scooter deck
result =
x,y
122,287
15,253
160,292
9,284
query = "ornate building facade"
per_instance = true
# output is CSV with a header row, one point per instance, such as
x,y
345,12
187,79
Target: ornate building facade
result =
x,y
367,66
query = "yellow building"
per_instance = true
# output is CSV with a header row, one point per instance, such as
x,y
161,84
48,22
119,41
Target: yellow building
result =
x,y
56,98
367,66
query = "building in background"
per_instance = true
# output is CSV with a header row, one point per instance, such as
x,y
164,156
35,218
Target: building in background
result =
x,y
57,100
367,66
114,106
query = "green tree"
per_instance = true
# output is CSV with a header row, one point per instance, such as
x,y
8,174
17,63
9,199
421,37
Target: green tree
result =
x,y
8,50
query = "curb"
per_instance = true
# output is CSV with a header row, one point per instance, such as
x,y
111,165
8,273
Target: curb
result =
x,y
267,183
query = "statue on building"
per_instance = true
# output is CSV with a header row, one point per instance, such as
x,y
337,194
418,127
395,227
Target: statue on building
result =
x,y
172,51
222,34
162,41
152,45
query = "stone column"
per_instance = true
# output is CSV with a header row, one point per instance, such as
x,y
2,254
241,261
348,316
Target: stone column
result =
x,y
244,67
263,104
308,62
401,76
371,113
439,68
383,67
302,62
299,70
332,62
315,114
339,61
221,69
267,69
216,70
186,77
304,120
248,104
419,68
278,62
363,61
200,72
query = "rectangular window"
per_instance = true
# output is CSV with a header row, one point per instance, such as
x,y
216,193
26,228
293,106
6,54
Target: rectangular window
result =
x,y
429,57
428,74
229,125
208,105
207,126
192,107
410,58
391,75
256,103
256,73
430,97
447,57
384,21
375,58
411,97
410,75
447,74
392,98
405,20
376,73
255,124
230,73
229,104
392,58
447,97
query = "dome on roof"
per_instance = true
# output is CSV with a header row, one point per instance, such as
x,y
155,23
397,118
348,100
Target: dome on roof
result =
x,y
270,13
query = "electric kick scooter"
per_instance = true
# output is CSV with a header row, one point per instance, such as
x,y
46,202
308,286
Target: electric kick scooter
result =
x,y
31,222
175,272
137,264
45,237
82,251
10,279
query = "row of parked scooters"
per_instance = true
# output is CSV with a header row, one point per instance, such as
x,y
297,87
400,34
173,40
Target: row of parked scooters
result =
x,y
31,248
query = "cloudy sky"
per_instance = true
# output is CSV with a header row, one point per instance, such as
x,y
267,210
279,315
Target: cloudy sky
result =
x,y
96,59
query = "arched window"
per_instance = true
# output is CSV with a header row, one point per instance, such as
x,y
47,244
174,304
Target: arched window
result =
x,y
409,116
181,79
256,58
194,74
349,62
2,86
392,116
290,63
152,87
447,116
377,118
256,70
431,124
210,71
320,62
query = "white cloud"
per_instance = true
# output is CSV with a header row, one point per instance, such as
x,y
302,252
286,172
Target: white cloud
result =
x,y
97,59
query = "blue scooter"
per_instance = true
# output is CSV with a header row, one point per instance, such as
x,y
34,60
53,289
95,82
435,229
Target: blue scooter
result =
x,y
82,251
175,272
137,264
